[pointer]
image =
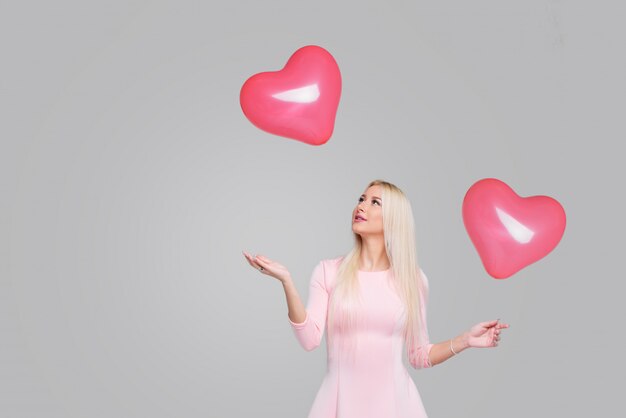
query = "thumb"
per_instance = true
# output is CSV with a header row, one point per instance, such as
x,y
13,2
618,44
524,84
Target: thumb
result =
x,y
490,323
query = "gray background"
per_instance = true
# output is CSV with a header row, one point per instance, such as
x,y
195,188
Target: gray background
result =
x,y
131,182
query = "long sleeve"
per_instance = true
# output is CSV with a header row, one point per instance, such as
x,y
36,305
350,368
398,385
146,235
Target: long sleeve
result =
x,y
419,358
309,333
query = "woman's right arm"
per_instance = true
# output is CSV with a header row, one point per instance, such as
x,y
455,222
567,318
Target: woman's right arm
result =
x,y
308,324
297,312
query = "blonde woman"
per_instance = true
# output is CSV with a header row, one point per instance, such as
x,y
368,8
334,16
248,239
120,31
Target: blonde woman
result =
x,y
374,302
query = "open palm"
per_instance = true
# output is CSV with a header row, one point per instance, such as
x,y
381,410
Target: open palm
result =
x,y
268,267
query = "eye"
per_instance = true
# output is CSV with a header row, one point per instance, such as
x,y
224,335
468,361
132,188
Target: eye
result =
x,y
375,201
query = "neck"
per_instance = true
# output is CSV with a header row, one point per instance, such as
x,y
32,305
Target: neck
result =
x,y
373,255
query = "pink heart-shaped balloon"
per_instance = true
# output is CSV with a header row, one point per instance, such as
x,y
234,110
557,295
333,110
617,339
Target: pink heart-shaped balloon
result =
x,y
298,102
510,232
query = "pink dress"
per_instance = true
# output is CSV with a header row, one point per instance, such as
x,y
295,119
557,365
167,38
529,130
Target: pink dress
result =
x,y
376,384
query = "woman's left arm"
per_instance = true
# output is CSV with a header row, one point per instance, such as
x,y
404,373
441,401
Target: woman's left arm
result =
x,y
481,335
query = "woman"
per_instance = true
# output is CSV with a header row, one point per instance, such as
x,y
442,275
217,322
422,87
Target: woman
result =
x,y
375,298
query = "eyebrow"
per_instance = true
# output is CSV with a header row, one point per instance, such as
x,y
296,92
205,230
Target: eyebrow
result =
x,y
372,196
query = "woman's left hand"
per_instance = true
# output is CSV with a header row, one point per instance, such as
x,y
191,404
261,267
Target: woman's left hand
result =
x,y
485,334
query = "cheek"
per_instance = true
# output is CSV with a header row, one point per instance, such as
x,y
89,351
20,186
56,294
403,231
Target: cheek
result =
x,y
376,219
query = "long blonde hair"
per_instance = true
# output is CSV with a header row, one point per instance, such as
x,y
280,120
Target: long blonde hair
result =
x,y
400,245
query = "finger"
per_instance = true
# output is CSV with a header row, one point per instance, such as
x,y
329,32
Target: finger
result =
x,y
263,264
248,256
251,262
489,323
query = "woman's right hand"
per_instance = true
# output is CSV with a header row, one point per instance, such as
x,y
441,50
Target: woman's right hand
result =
x,y
271,268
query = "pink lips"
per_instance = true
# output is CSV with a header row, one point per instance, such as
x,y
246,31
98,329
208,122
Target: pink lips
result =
x,y
359,219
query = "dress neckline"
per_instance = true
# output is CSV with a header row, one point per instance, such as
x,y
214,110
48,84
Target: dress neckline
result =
x,y
375,272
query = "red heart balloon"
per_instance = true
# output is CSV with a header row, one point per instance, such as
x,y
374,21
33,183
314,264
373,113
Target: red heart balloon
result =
x,y
298,102
510,232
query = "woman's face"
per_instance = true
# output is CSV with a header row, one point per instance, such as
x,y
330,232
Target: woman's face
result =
x,y
369,207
